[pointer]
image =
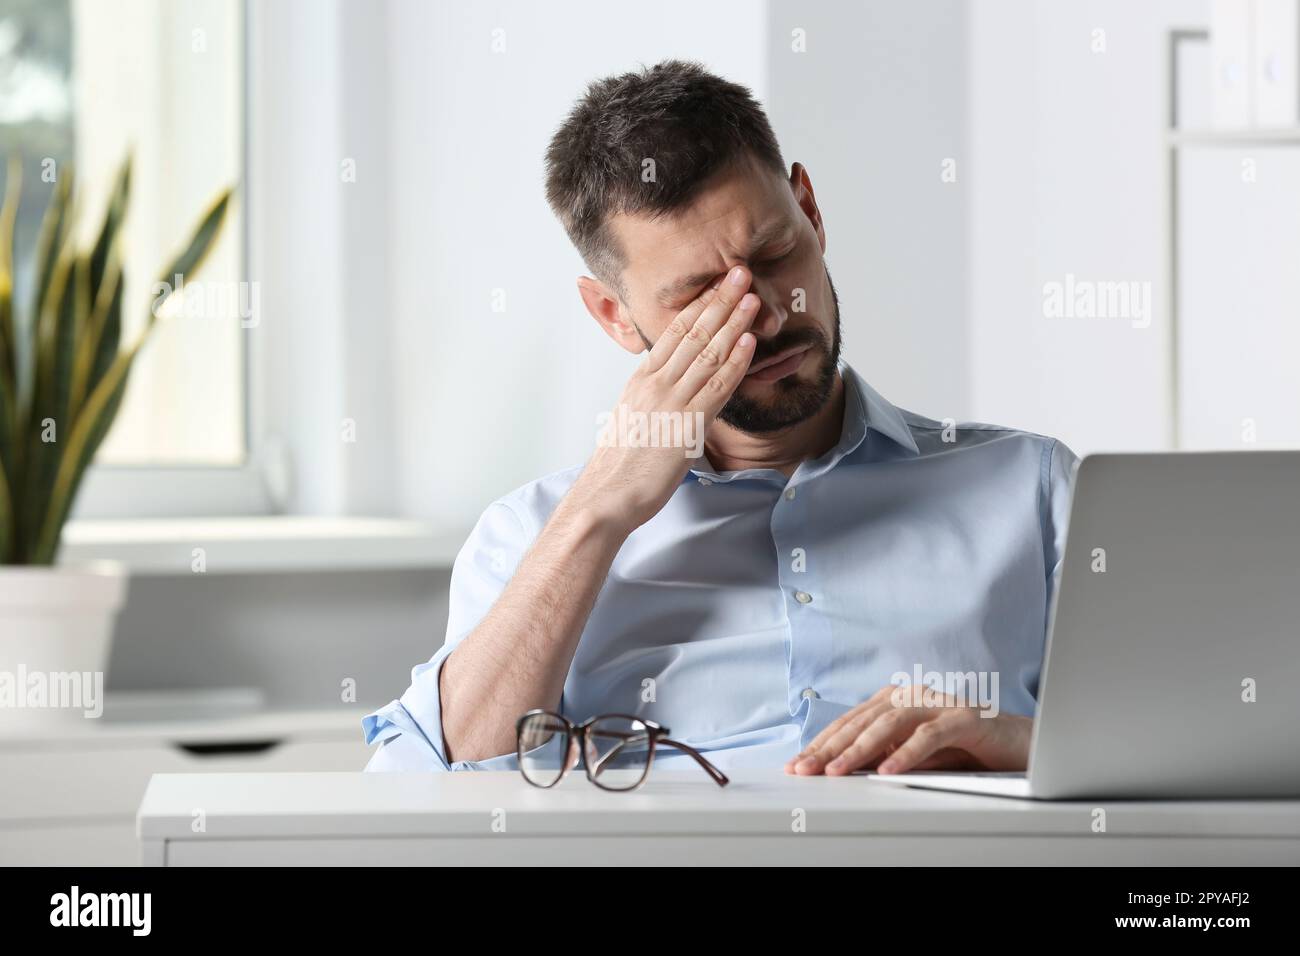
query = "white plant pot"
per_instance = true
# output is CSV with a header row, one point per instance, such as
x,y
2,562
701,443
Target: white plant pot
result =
x,y
56,629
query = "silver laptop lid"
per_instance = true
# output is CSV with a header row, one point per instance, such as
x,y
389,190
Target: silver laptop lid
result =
x,y
1173,659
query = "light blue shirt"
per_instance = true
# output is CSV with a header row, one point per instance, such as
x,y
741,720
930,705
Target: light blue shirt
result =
x,y
753,610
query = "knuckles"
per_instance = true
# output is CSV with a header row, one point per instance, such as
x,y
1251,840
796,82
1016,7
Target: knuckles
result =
x,y
708,357
929,730
890,719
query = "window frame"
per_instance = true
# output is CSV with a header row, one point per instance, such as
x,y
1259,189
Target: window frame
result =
x,y
124,490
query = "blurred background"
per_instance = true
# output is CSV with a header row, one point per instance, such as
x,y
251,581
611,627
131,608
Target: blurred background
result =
x,y
1077,218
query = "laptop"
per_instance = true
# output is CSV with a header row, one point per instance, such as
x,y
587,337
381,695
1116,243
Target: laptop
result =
x,y
1172,665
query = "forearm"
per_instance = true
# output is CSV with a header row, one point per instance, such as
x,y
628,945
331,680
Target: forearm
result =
x,y
519,655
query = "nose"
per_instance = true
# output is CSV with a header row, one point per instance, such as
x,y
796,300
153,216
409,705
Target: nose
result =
x,y
773,312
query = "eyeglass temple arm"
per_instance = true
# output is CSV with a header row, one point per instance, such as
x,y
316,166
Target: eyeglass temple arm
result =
x,y
623,740
718,776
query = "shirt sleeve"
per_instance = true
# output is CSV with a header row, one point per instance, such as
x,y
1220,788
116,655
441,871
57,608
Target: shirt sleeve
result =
x,y
1059,482
409,729
1058,467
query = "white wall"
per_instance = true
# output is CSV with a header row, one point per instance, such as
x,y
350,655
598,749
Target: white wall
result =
x,y
873,107
1067,176
1237,292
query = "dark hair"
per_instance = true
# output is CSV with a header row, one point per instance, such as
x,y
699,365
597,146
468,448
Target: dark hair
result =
x,y
690,122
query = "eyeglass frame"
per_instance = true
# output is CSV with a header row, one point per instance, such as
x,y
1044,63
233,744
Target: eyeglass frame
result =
x,y
576,735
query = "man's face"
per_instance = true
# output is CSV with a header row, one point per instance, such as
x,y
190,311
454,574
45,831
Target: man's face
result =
x,y
747,216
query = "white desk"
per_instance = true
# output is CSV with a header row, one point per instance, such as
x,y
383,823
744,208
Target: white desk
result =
x,y
679,817
69,791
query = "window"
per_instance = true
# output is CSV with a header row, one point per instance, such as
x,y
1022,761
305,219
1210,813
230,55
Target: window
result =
x,y
82,83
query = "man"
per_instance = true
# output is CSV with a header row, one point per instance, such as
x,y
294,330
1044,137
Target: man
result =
x,y
767,600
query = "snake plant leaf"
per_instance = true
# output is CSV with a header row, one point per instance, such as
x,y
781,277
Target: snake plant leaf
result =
x,y
49,425
8,360
103,334
191,259
113,217
8,411
8,403
8,546
82,452
96,415
8,332
55,264
99,342
54,229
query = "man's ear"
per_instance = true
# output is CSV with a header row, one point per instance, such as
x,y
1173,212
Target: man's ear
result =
x,y
801,186
606,309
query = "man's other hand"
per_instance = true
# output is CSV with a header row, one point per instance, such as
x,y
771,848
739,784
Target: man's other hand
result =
x,y
902,728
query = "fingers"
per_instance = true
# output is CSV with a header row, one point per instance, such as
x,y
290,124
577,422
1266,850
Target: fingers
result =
x,y
892,727
719,309
829,731
868,710
722,384
925,741
712,357
835,737
672,336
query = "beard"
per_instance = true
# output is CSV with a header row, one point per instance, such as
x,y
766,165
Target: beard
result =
x,y
793,399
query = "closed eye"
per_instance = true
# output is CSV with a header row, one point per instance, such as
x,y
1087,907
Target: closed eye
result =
x,y
692,296
758,262
769,260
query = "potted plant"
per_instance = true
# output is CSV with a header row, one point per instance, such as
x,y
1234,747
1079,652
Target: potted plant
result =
x,y
63,373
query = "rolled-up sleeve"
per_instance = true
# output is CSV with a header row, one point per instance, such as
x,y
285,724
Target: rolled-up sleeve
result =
x,y
409,729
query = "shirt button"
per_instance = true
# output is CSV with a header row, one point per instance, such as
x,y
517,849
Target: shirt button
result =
x,y
809,694
789,494
706,482
803,597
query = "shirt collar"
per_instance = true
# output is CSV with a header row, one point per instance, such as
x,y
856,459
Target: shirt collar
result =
x,y
871,411
864,410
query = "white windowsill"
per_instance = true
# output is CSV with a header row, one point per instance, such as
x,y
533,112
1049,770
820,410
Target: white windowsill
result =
x,y
165,546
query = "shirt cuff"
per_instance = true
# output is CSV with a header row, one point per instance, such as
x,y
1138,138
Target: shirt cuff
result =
x,y
416,717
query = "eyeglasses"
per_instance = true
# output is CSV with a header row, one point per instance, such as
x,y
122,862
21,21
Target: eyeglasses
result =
x,y
549,746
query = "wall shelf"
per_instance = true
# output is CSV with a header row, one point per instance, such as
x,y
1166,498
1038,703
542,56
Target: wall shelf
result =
x,y
166,546
1226,137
